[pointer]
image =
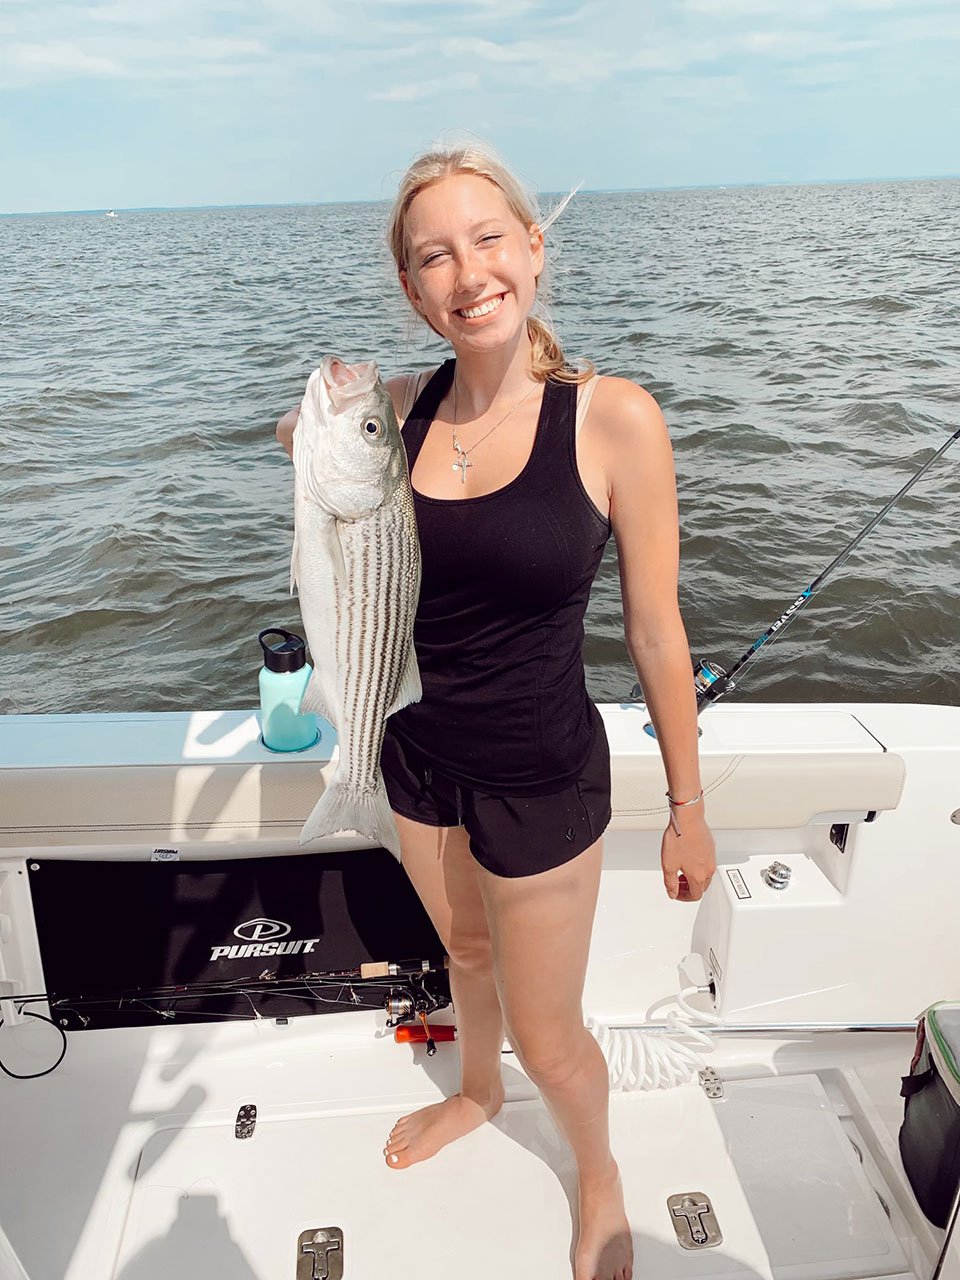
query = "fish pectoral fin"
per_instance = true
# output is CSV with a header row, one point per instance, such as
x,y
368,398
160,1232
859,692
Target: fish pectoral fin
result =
x,y
294,562
314,700
411,690
331,540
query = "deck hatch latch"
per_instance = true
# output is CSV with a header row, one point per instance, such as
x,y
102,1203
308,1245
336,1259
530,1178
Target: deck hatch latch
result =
x,y
694,1220
320,1254
246,1121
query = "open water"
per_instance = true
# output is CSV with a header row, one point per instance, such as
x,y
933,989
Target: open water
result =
x,y
804,343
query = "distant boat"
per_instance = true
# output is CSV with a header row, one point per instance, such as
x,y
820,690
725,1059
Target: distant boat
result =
x,y
110,214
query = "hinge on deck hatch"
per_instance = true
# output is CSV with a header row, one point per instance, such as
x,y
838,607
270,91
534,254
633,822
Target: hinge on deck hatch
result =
x,y
711,1082
246,1121
694,1220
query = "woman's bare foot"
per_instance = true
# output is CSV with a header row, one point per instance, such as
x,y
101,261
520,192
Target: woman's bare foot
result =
x,y
422,1133
605,1247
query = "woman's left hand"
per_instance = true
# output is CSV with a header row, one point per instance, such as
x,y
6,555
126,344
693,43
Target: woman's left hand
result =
x,y
688,860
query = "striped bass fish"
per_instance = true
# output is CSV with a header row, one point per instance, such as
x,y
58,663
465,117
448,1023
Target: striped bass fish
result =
x,y
356,569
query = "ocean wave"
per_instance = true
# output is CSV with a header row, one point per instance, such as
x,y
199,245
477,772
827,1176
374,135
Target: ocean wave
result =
x,y
805,373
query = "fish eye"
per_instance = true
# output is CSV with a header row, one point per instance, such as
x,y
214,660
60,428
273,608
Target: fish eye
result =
x,y
373,427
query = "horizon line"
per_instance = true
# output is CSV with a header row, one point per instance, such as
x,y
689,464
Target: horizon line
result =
x,y
307,204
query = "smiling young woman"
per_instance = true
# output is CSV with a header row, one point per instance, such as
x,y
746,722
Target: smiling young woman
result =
x,y
499,778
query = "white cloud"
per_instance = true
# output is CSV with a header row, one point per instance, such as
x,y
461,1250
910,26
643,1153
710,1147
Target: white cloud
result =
x,y
128,39
797,46
824,75
58,56
809,11
714,91
517,43
418,90
497,10
124,59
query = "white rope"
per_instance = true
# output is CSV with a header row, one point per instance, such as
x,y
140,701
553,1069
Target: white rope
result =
x,y
639,1059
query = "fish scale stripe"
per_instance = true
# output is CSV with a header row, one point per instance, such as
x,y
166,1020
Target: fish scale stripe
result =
x,y
402,600
391,613
345,631
388,611
357,576
392,581
370,601
379,604
370,577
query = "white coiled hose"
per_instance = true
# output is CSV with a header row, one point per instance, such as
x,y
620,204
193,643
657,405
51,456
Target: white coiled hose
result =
x,y
640,1059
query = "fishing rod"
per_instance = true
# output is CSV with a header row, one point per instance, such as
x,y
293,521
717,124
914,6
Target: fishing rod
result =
x,y
372,976
401,988
712,681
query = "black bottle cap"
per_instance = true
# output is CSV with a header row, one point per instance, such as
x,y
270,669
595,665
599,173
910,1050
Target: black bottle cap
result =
x,y
290,655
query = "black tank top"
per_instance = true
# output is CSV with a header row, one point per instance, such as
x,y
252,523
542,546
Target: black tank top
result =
x,y
499,626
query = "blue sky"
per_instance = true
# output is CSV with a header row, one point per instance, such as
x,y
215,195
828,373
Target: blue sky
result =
x,y
124,103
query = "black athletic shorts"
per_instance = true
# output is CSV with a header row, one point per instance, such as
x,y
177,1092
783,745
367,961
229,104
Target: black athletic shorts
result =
x,y
510,836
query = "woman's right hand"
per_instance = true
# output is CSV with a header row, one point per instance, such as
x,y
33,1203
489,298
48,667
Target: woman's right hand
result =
x,y
285,428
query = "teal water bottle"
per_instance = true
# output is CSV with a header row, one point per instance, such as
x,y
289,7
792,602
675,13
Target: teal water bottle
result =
x,y
283,678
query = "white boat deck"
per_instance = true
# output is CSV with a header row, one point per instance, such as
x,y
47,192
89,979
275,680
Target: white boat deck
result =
x,y
132,1141
123,1162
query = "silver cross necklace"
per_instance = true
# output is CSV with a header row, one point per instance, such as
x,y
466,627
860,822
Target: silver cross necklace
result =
x,y
462,461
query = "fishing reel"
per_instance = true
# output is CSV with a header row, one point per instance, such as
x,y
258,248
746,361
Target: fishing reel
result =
x,y
706,675
412,1004
423,988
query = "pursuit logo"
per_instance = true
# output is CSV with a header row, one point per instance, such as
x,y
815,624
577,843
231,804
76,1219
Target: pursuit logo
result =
x,y
261,938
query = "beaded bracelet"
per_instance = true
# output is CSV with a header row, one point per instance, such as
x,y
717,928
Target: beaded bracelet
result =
x,y
680,804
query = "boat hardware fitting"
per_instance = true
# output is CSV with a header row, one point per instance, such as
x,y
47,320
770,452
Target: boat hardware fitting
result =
x,y
320,1254
776,876
246,1121
838,835
694,1220
712,1083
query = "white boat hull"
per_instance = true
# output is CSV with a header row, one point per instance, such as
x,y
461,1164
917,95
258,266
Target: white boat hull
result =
x,y
123,1164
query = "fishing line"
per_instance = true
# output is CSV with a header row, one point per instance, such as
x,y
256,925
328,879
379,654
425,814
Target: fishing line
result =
x,y
35,1075
205,990
712,682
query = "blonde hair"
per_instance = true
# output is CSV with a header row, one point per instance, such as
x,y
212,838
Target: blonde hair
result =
x,y
547,358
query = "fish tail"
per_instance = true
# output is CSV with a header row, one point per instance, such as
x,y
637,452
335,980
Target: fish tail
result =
x,y
342,808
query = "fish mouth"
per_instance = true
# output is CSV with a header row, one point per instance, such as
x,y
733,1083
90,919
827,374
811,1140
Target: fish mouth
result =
x,y
345,382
